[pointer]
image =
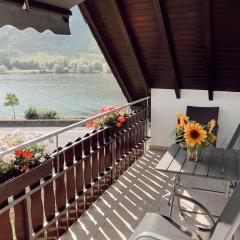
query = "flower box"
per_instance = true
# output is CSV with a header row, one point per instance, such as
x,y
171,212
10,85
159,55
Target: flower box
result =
x,y
20,161
17,184
113,118
6,176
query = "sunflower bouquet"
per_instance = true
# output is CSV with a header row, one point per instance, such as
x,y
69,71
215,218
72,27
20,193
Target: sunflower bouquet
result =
x,y
194,135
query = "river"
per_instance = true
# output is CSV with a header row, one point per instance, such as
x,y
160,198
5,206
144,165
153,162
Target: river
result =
x,y
68,94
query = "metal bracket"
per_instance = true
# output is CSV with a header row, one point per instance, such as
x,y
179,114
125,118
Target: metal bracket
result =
x,y
26,5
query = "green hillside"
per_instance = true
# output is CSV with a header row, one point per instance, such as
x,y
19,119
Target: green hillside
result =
x,y
29,42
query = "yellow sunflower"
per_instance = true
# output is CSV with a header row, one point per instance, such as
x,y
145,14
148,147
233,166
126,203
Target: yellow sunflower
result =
x,y
184,121
178,115
212,125
213,138
194,134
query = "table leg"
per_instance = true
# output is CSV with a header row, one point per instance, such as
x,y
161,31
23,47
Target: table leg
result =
x,y
175,195
230,188
228,191
176,184
171,195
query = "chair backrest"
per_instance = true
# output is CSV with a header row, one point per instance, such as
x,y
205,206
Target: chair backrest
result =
x,y
229,220
202,114
235,137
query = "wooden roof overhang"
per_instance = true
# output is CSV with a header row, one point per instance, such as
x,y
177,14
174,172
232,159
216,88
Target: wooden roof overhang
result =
x,y
172,44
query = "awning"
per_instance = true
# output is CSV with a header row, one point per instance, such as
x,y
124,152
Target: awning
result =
x,y
38,14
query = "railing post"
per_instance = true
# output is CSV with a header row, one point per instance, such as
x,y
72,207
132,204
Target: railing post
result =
x,y
60,193
70,183
87,166
6,228
78,152
95,165
29,216
147,119
57,146
113,154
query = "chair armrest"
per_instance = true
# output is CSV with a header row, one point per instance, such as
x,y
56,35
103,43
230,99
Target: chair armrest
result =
x,y
156,227
180,196
150,235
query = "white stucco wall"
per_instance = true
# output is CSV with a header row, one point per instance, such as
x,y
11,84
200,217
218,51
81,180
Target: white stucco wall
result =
x,y
164,106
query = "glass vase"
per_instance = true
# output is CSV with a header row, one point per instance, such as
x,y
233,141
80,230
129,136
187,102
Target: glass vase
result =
x,y
193,153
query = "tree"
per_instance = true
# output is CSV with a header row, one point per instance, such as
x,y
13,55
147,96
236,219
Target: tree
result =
x,y
4,60
11,100
3,69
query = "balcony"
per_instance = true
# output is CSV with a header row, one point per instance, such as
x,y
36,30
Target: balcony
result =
x,y
98,187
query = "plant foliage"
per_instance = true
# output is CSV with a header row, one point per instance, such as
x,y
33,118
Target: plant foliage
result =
x,y
11,100
34,113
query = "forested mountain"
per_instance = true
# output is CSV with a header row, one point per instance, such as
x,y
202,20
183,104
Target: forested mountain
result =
x,y
29,41
29,50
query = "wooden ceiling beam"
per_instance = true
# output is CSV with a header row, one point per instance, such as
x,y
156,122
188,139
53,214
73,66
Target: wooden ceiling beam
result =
x,y
167,45
96,29
209,46
131,44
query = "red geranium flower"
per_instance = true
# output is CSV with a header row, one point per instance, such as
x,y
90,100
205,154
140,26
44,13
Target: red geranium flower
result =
x,y
103,110
18,153
25,169
110,108
27,154
94,123
121,119
89,124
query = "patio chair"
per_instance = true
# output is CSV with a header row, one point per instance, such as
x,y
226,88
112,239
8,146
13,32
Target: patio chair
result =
x,y
235,137
155,226
203,115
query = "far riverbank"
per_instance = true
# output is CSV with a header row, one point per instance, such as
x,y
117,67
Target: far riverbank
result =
x,y
38,123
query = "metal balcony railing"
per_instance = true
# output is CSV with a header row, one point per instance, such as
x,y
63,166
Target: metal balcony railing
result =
x,y
44,202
